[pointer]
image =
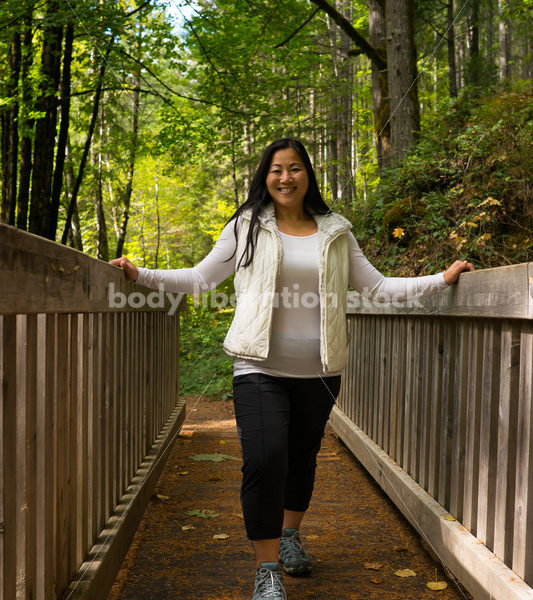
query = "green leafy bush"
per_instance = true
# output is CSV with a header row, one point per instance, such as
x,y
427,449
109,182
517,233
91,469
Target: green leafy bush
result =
x,y
465,191
204,367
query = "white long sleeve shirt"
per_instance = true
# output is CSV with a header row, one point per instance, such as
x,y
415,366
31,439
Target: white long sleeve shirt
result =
x,y
295,337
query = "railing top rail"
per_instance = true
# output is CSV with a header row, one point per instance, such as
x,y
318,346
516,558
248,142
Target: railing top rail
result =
x,y
40,276
501,292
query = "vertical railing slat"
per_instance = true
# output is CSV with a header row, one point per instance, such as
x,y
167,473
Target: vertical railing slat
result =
x,y
507,431
488,433
82,438
435,407
458,419
448,371
71,442
357,346
31,454
472,441
8,501
523,510
61,447
394,368
426,377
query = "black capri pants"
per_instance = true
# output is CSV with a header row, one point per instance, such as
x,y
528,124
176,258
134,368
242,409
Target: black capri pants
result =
x,y
280,422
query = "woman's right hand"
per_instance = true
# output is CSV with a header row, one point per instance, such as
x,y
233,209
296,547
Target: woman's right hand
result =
x,y
129,268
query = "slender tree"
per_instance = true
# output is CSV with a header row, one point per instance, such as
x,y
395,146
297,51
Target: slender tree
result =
x,y
133,143
10,135
27,124
45,127
452,68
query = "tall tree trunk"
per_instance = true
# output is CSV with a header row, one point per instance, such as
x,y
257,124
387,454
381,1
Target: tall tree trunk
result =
x,y
452,69
74,237
333,116
247,145
346,81
102,247
158,217
461,61
131,164
27,125
94,116
10,136
474,59
45,130
503,44
380,90
57,183
489,20
233,170
312,113
402,75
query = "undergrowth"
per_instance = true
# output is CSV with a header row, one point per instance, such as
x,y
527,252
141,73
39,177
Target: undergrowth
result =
x,y
466,191
204,366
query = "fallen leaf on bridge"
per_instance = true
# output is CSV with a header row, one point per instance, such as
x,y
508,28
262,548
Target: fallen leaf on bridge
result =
x,y
187,527
216,457
204,514
221,536
405,573
437,585
374,565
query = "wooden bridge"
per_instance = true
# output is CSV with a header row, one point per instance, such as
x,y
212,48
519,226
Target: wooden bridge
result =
x,y
436,403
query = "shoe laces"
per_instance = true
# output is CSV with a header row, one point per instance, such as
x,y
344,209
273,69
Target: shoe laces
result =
x,y
270,584
293,545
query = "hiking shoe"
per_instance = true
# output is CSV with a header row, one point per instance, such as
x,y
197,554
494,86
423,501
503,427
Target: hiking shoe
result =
x,y
292,556
269,582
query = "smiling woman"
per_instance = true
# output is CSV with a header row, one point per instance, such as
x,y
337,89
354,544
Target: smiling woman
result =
x,y
289,348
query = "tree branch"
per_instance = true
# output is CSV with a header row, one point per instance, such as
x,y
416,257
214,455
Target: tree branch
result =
x,y
372,53
428,22
297,29
148,70
127,15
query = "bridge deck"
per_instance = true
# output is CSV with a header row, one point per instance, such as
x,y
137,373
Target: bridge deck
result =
x,y
342,531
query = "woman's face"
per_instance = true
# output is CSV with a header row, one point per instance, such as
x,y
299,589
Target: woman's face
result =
x,y
287,180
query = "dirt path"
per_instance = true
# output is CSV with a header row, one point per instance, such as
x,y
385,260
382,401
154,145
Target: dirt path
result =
x,y
350,523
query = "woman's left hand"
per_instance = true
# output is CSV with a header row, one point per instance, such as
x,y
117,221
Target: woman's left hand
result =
x,y
453,271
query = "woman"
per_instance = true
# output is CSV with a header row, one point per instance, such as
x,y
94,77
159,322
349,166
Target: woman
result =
x,y
293,260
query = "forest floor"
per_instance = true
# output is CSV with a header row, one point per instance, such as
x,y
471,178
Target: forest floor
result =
x,y
350,524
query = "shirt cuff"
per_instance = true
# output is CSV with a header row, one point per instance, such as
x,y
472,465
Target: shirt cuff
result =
x,y
141,277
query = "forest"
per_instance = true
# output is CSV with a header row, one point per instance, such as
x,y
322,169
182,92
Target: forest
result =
x,y
133,127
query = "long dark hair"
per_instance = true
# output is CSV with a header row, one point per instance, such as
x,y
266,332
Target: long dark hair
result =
x,y
258,197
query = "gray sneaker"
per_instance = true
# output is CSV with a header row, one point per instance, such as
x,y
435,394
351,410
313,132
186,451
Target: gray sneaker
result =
x,y
269,582
292,556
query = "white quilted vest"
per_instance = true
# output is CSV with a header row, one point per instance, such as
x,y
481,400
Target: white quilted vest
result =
x,y
255,286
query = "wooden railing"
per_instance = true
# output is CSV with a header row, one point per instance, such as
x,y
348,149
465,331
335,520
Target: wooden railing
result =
x,y
437,403
89,406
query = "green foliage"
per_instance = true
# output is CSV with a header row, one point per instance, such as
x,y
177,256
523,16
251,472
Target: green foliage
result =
x,y
204,367
464,191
